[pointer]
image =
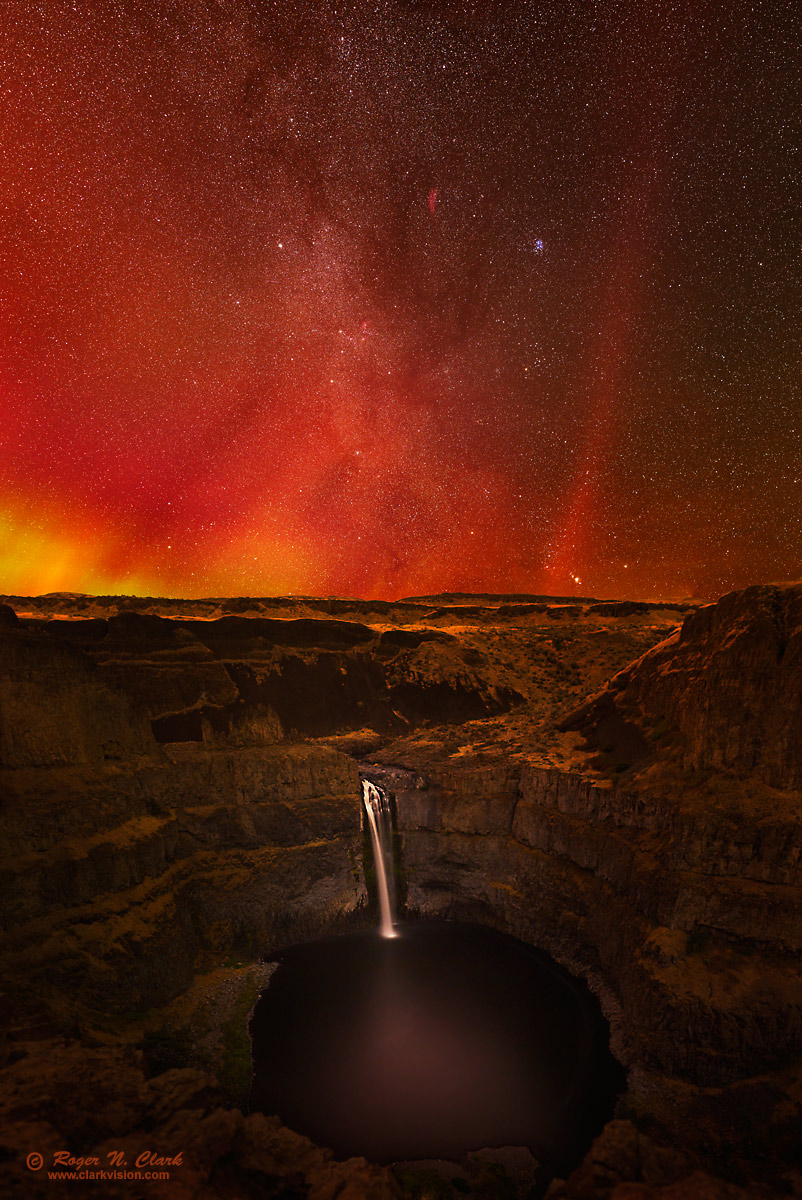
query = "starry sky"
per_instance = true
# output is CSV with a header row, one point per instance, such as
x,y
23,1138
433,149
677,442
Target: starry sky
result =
x,y
399,297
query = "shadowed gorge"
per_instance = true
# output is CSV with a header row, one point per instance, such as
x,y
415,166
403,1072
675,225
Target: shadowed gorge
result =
x,y
614,785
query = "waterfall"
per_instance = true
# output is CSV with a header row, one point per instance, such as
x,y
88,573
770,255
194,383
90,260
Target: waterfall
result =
x,y
377,810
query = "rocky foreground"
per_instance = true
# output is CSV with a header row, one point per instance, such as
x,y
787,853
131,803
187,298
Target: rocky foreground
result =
x,y
616,783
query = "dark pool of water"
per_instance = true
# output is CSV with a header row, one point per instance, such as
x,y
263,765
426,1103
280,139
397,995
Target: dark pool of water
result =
x,y
446,1039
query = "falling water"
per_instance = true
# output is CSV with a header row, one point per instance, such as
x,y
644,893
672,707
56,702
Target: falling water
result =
x,y
377,809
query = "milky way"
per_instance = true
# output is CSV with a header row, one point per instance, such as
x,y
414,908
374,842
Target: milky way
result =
x,y
391,298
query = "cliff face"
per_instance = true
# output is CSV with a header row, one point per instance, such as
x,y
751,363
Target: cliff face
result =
x,y
237,679
601,879
186,855
56,708
129,869
728,684
155,812
684,923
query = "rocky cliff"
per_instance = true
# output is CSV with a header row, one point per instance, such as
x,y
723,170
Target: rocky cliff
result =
x,y
56,709
727,687
236,679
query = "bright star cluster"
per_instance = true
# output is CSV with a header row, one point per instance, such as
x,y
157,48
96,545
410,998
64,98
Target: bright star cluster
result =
x,y
398,297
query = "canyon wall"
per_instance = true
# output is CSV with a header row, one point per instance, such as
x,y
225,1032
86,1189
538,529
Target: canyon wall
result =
x,y
182,856
685,922
617,888
728,685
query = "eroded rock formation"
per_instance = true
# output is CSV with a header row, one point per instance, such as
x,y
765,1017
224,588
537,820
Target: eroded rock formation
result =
x,y
97,1102
727,685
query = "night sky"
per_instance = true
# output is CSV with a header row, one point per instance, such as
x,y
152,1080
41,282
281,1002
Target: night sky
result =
x,y
399,297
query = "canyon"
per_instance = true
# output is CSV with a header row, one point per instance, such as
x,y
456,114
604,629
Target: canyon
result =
x,y
616,783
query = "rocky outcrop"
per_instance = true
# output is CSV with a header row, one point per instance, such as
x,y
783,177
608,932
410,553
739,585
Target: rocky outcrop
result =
x,y
127,866
623,1164
128,869
237,679
56,708
89,1108
187,855
726,689
596,877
